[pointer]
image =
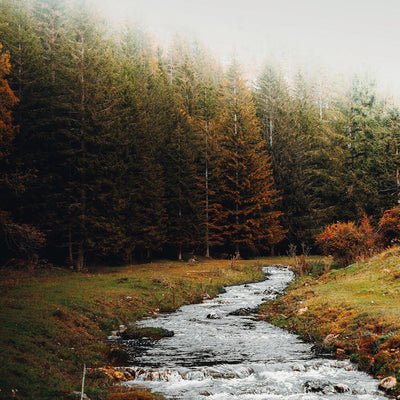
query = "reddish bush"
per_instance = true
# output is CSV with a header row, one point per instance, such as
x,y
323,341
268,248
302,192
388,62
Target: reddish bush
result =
x,y
389,226
347,242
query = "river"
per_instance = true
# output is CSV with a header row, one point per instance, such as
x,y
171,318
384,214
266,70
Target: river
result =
x,y
218,353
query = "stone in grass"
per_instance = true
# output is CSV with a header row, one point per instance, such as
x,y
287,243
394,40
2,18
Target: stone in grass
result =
x,y
388,384
118,356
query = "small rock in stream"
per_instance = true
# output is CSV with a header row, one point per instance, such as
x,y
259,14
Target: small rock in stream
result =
x,y
245,311
341,388
318,387
388,383
213,316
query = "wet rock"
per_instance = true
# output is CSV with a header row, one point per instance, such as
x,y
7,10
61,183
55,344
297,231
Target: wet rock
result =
x,y
128,376
152,333
272,291
205,296
213,316
298,368
319,387
245,311
341,388
388,383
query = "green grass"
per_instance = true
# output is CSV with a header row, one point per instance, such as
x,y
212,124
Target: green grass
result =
x,y
54,321
358,305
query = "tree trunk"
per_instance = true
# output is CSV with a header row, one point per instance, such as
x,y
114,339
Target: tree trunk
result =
x,y
207,200
80,261
70,252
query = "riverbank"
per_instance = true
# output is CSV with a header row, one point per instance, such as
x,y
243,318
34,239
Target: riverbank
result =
x,y
353,312
55,321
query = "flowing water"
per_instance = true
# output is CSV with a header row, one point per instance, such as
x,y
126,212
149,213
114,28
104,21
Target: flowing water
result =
x,y
220,351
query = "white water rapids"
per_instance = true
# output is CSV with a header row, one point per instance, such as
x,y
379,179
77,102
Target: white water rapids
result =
x,y
237,357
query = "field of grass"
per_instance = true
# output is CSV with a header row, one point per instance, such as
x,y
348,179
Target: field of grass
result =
x,y
354,312
55,321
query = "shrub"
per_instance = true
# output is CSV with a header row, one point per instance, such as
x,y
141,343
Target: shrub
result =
x,y
348,242
389,226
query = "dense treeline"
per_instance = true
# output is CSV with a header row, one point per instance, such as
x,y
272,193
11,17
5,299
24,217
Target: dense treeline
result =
x,y
119,150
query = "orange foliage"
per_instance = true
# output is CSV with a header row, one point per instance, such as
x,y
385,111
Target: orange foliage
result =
x,y
348,242
389,226
7,101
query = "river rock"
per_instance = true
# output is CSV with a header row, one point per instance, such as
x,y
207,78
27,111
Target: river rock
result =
x,y
298,368
388,383
318,386
341,388
213,316
245,311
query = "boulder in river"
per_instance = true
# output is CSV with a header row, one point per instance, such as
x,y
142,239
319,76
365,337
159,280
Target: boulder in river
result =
x,y
245,311
319,386
213,316
388,384
341,388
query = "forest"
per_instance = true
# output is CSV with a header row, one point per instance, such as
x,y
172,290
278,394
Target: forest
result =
x,y
114,149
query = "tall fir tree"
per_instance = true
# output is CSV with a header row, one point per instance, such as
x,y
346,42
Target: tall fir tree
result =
x,y
244,216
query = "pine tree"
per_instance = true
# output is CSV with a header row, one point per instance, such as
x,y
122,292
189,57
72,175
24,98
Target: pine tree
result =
x,y
20,239
187,172
93,97
144,123
244,217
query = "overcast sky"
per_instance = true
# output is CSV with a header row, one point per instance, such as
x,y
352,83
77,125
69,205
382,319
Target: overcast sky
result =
x,y
342,35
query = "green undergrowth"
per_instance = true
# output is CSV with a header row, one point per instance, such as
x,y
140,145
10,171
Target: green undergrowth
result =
x,y
55,321
353,312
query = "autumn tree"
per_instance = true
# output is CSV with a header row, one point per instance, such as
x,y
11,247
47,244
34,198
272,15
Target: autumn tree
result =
x,y
244,216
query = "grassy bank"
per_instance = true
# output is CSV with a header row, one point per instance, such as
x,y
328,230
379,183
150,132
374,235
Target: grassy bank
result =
x,y
55,321
353,312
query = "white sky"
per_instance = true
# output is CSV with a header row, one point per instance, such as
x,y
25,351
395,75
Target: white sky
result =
x,y
342,35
